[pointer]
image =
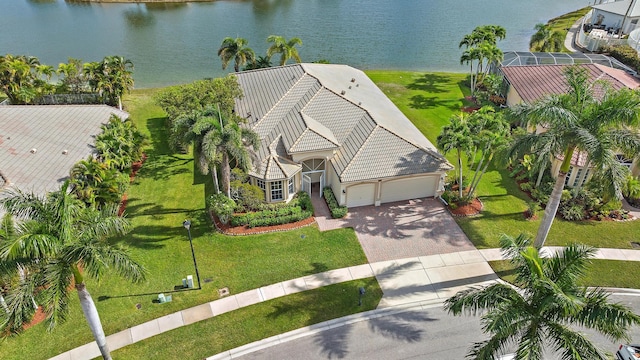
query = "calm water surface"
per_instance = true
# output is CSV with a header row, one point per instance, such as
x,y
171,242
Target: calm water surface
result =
x,y
177,43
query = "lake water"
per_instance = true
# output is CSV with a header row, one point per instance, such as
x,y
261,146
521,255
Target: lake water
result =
x,y
177,43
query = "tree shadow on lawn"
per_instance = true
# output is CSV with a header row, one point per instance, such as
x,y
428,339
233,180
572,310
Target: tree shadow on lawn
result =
x,y
135,207
431,83
427,102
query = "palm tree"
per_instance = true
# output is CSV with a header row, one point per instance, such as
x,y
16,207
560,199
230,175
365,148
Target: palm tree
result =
x,y
262,62
456,136
581,120
58,242
218,138
111,77
546,39
481,45
120,144
490,132
236,50
97,184
286,48
542,306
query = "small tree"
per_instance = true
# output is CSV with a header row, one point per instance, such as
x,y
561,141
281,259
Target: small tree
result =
x,y
456,136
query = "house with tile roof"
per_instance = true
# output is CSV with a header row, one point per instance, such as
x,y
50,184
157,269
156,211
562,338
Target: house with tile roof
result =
x,y
39,144
529,83
330,125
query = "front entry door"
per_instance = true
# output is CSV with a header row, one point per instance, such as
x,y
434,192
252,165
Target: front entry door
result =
x,y
306,183
321,184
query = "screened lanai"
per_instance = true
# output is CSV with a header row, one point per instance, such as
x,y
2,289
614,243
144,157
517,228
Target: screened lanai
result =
x,y
521,58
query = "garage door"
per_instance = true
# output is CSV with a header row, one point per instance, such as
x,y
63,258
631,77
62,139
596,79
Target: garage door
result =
x,y
360,195
412,188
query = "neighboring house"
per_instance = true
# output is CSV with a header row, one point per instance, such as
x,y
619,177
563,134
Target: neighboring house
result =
x,y
610,23
529,83
39,144
611,15
330,125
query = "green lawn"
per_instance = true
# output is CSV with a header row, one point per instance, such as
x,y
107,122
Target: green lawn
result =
x,y
164,194
429,100
564,22
256,322
604,273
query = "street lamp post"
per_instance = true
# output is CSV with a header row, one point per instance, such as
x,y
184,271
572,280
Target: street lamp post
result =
x,y
187,225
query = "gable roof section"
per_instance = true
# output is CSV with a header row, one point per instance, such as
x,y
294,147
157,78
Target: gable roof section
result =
x,y
275,166
333,107
50,130
533,82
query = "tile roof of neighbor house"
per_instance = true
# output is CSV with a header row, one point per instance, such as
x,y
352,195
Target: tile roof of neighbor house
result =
x,y
619,8
533,82
318,107
40,143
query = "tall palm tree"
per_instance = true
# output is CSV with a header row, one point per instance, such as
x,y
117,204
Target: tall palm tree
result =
x,y
546,39
58,242
456,136
236,50
286,48
590,118
481,45
218,138
542,306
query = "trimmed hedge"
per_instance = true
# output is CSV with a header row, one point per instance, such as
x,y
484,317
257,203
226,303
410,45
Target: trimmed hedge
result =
x,y
298,209
337,211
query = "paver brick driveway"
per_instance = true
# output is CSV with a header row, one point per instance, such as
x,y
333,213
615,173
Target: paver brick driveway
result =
x,y
402,229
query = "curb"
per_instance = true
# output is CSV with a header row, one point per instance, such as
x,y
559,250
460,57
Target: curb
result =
x,y
323,326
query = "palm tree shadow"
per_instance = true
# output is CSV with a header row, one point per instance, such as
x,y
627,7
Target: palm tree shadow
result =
x,y
430,83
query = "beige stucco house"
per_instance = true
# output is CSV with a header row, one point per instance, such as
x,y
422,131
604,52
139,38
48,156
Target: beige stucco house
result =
x,y
529,83
330,125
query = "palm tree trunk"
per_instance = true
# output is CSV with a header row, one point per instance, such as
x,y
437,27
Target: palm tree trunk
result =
x,y
486,166
214,175
460,169
91,314
226,174
119,103
554,200
4,304
540,173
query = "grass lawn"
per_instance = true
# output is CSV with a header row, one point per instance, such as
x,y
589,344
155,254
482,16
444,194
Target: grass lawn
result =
x,y
256,322
603,273
564,22
165,193
429,100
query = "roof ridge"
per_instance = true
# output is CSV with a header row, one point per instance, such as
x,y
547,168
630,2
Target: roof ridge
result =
x,y
279,100
299,138
316,122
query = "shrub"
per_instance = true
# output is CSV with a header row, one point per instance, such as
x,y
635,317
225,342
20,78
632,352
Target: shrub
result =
x,y
573,213
297,209
532,208
625,54
337,211
248,197
526,187
222,207
304,201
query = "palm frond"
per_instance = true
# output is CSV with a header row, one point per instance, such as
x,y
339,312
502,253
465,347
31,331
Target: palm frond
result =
x,y
476,300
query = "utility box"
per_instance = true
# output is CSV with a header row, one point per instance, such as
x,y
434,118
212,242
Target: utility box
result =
x,y
190,281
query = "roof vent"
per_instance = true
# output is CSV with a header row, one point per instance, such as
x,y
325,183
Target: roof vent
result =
x,y
343,92
360,103
349,86
33,151
65,152
357,85
353,79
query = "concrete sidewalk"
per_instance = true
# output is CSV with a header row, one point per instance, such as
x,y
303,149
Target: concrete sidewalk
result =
x,y
406,282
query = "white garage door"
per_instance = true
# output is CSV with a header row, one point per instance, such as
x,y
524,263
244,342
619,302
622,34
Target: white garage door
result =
x,y
413,188
360,195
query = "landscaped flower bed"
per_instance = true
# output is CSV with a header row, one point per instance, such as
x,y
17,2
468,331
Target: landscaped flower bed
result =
x,y
337,211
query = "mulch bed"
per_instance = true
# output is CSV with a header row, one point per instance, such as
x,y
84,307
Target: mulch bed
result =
x,y
37,318
470,209
470,109
246,230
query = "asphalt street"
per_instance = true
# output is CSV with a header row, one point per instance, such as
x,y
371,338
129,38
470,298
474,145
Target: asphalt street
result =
x,y
416,334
